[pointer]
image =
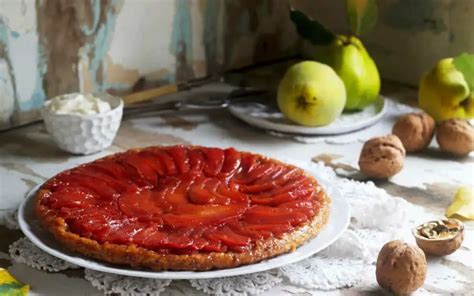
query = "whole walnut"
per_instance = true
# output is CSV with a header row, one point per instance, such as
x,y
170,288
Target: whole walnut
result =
x,y
382,157
455,136
401,268
415,130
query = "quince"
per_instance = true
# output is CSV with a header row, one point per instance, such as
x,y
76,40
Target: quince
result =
x,y
351,61
445,94
311,94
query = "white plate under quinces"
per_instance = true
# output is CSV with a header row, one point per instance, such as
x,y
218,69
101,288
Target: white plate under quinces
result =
x,y
338,221
268,117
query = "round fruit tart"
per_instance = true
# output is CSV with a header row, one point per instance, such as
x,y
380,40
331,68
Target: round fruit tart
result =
x,y
183,208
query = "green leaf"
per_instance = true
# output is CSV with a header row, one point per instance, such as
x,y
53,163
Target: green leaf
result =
x,y
310,29
362,15
465,64
11,289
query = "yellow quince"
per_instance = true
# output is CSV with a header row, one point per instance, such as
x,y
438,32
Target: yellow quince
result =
x,y
444,93
311,94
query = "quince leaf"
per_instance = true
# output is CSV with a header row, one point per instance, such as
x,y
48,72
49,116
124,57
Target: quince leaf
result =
x,y
362,15
310,29
465,64
463,204
11,289
10,286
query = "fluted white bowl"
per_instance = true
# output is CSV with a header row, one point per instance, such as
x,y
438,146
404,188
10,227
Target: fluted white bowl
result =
x,y
84,134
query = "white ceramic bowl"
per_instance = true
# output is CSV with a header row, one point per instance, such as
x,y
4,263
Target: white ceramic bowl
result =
x,y
84,134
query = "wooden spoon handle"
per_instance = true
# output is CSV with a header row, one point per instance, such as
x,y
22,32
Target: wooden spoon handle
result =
x,y
149,94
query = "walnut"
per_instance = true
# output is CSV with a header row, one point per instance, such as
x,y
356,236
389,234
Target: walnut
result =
x,y
382,157
440,237
415,130
401,268
455,136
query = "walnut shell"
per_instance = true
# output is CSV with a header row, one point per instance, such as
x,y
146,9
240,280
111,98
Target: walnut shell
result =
x,y
455,136
401,268
440,246
415,130
382,157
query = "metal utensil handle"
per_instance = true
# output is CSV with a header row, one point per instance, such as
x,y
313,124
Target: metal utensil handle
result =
x,y
204,104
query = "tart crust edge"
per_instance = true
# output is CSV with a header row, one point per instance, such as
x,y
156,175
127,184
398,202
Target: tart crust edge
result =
x,y
137,256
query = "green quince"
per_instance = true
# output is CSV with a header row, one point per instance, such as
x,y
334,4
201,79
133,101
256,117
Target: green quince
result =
x,y
351,61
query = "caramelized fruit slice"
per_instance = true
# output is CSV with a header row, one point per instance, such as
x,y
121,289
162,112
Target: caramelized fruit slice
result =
x,y
92,223
248,162
198,194
266,230
166,161
142,204
232,194
70,197
111,169
147,167
257,188
101,177
279,198
214,246
214,161
271,215
257,172
204,192
229,237
207,191
293,184
231,163
103,188
196,160
192,215
180,156
215,187
273,177
125,233
273,180
178,194
150,237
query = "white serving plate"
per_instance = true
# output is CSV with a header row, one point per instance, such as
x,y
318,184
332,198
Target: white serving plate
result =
x,y
270,118
338,221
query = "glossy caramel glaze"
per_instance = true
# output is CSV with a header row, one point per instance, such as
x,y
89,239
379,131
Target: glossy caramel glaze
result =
x,y
182,199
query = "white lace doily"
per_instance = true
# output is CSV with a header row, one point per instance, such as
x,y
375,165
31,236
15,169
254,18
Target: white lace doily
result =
x,y
125,285
338,266
376,217
24,251
239,285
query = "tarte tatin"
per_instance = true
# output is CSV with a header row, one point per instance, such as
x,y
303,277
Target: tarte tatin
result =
x,y
183,208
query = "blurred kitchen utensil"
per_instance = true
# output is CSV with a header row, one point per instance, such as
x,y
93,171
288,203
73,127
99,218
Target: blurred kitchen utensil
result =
x,y
199,103
163,90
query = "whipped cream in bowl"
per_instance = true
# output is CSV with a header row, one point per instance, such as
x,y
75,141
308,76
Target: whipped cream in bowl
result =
x,y
83,123
78,103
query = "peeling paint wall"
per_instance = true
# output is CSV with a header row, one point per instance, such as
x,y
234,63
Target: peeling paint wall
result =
x,y
50,47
